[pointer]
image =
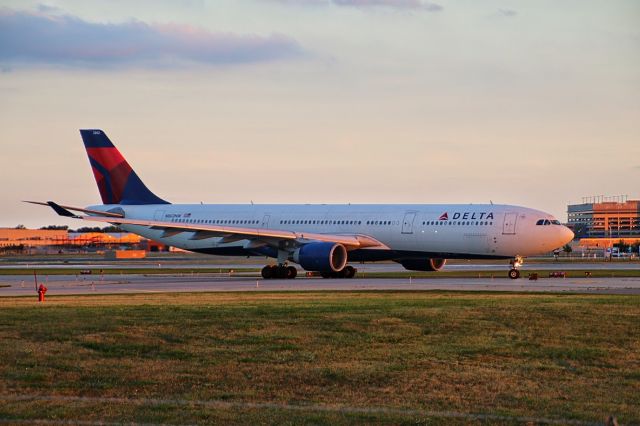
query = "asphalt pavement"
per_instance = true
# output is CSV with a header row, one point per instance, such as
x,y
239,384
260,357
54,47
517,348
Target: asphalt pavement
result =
x,y
14,285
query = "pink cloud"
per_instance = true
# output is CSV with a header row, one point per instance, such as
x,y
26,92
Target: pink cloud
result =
x,y
40,37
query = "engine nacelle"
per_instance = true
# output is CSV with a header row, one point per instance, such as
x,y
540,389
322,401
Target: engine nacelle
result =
x,y
423,264
322,257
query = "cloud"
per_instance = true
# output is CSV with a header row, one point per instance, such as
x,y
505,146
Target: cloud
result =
x,y
392,4
507,13
45,8
45,38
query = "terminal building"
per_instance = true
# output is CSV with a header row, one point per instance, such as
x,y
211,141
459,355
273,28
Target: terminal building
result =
x,y
605,217
16,237
18,240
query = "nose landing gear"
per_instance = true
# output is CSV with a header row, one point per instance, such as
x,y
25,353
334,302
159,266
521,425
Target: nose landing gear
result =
x,y
514,272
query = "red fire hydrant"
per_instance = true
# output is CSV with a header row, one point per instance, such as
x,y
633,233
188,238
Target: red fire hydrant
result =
x,y
41,291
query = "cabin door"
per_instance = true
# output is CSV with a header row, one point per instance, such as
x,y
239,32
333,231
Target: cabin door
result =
x,y
509,225
265,221
159,215
407,222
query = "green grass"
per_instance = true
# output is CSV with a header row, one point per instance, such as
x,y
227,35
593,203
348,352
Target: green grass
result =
x,y
321,358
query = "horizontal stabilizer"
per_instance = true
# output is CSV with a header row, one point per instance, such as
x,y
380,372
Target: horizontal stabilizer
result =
x,y
77,209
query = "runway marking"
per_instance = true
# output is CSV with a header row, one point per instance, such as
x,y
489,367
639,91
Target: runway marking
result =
x,y
224,404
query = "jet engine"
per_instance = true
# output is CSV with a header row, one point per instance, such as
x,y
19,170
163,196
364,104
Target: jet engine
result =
x,y
323,257
423,264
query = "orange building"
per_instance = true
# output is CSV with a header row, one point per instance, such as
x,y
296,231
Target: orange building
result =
x,y
102,238
32,237
603,243
605,217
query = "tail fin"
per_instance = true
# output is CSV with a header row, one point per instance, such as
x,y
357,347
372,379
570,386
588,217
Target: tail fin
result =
x,y
117,182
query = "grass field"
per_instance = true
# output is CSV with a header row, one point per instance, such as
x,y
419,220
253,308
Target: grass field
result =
x,y
321,358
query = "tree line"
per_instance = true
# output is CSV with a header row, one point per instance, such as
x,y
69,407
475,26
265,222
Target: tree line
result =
x,y
104,229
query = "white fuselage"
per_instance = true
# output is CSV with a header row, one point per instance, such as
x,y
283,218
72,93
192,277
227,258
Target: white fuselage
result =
x,y
429,230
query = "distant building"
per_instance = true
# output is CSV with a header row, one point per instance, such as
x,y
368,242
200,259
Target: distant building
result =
x,y
605,217
12,237
18,240
103,238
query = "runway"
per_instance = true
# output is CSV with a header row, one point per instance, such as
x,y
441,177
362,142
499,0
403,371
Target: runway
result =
x,y
13,285
366,267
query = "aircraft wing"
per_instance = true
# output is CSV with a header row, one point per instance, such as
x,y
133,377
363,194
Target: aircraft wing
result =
x,y
227,233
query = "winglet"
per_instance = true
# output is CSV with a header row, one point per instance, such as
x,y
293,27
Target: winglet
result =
x,y
61,210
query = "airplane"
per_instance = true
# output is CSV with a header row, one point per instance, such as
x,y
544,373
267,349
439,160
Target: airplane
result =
x,y
322,238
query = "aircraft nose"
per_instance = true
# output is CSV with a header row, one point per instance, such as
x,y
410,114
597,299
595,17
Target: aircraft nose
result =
x,y
566,235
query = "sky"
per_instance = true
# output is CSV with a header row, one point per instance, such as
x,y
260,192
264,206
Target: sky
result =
x,y
533,103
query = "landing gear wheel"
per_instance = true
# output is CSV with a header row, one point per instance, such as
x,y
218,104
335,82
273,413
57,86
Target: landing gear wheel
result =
x,y
275,272
283,271
292,272
514,274
325,274
267,272
348,271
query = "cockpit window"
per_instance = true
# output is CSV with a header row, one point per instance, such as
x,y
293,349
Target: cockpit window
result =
x,y
555,222
540,222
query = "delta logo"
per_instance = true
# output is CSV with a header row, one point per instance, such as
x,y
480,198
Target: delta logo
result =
x,y
467,216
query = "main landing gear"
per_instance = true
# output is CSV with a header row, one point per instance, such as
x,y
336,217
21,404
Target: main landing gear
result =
x,y
290,272
347,272
279,271
514,272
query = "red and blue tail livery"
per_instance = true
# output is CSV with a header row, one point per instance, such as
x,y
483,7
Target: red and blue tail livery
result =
x,y
117,182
